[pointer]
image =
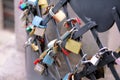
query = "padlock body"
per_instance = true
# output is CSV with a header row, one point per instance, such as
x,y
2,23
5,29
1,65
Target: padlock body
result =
x,y
34,47
48,60
59,16
73,46
39,68
43,3
51,43
39,31
94,60
37,21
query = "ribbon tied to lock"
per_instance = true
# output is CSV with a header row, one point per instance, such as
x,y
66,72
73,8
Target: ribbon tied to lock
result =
x,y
59,16
37,22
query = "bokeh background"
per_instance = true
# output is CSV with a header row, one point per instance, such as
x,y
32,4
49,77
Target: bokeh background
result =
x,y
13,37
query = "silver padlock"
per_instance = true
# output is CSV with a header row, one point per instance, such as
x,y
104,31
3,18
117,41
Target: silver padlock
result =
x,y
39,68
95,60
51,43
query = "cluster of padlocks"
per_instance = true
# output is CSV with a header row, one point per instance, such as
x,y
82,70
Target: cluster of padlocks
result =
x,y
70,42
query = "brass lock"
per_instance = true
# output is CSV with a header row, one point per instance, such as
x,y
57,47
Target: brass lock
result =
x,y
32,32
39,68
43,3
59,16
39,31
73,46
34,47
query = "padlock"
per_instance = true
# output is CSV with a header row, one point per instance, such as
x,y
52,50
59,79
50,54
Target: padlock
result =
x,y
34,47
51,43
32,32
23,6
73,46
117,60
32,2
43,54
39,31
39,68
37,22
43,3
24,15
29,28
59,16
48,59
68,76
95,60
73,21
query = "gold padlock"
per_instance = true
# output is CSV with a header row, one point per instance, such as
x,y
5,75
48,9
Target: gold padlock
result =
x,y
73,46
43,3
32,32
34,47
59,16
39,31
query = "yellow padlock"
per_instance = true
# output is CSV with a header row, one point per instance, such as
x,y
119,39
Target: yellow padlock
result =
x,y
59,16
43,3
73,46
34,47
39,32
32,32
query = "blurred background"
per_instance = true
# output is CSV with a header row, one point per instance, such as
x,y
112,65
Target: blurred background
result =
x,y
13,36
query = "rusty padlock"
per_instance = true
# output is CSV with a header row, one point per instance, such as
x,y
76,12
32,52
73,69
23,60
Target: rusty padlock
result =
x,y
59,16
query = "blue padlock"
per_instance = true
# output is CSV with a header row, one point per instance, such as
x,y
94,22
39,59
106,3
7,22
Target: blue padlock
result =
x,y
23,6
36,22
48,59
32,2
67,76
